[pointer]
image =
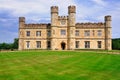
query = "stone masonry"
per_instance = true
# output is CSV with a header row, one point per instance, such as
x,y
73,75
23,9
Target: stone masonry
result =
x,y
64,33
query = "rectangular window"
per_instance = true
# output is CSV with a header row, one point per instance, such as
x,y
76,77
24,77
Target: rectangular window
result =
x,y
38,33
63,32
87,33
48,33
28,44
48,44
99,44
99,33
38,44
87,44
77,33
77,44
27,33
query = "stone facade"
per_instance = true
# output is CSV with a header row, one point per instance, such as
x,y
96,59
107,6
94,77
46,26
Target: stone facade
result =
x,y
65,33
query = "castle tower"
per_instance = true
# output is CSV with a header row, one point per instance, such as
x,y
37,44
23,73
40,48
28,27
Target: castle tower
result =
x,y
108,33
71,26
21,25
54,21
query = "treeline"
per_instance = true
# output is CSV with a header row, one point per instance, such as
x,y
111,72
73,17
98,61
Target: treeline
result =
x,y
9,46
116,44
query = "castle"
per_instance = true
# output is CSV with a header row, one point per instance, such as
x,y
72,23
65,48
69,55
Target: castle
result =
x,y
63,33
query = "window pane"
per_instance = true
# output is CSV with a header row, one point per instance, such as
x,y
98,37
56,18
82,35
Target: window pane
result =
x,y
77,33
99,44
63,32
77,44
87,44
38,33
38,44
48,33
99,32
27,33
28,44
87,33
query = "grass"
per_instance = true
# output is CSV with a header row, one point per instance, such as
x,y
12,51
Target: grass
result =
x,y
59,65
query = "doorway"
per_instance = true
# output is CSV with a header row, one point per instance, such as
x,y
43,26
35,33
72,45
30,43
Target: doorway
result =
x,y
63,45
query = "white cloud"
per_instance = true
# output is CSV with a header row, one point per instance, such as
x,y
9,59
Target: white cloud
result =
x,y
100,2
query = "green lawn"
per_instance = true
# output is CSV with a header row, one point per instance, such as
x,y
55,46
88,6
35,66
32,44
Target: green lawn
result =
x,y
59,65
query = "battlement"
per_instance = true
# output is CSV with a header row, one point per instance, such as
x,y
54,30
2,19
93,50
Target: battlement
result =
x,y
62,17
99,24
54,9
108,18
71,9
21,19
36,25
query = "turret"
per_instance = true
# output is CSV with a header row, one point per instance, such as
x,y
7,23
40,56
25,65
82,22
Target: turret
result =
x,y
54,15
71,27
72,15
21,22
108,45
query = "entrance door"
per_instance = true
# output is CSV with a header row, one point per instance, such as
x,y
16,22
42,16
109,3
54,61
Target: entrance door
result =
x,y
63,45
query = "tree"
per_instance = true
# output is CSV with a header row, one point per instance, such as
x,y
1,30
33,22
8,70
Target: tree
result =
x,y
15,43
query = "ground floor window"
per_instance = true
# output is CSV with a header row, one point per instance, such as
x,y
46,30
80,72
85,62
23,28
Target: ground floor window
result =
x,y
38,44
87,44
77,44
99,44
48,44
28,44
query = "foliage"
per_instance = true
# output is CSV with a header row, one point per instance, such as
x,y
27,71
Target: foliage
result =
x,y
116,44
59,65
11,46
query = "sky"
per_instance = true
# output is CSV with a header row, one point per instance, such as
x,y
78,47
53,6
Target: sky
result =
x,y
38,11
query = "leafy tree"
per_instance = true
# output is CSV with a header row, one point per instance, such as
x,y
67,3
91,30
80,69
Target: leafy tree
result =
x,y
116,44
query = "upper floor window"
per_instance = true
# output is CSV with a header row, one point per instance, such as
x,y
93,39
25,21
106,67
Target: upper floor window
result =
x,y
27,33
77,33
63,32
48,33
87,44
28,44
99,32
87,33
38,44
99,44
38,33
77,44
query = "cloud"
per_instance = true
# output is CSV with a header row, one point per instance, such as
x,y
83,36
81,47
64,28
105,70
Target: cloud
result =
x,y
38,11
99,2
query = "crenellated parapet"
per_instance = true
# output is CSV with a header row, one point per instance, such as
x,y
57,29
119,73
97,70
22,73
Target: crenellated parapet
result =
x,y
54,9
71,9
89,25
36,26
62,17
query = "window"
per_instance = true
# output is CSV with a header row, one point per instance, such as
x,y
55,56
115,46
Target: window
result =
x,y
77,44
99,44
87,33
48,44
87,44
27,33
77,33
48,33
99,32
38,33
93,32
28,44
63,32
38,44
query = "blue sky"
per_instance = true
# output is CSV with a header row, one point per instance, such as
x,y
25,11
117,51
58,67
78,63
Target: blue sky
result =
x,y
38,11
